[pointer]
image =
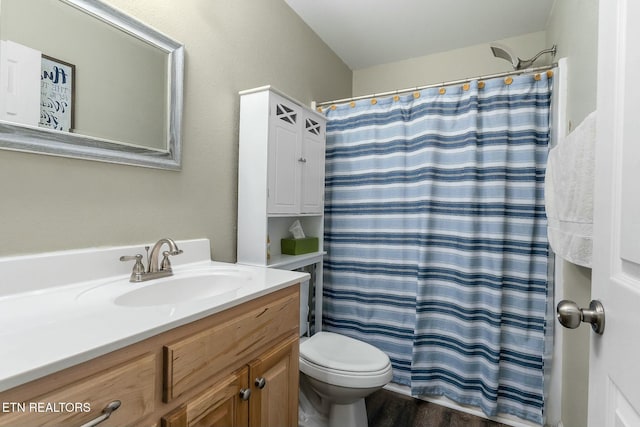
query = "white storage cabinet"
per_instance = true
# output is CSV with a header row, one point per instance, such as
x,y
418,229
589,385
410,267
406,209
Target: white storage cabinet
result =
x,y
280,180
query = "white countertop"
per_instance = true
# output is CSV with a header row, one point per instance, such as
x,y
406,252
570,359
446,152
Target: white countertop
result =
x,y
49,328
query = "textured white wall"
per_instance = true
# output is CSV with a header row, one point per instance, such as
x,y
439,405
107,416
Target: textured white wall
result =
x,y
52,203
573,26
455,64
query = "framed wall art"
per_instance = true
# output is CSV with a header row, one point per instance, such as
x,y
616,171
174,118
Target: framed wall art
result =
x,y
57,94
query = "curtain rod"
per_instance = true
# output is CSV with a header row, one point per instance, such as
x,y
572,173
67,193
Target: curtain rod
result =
x,y
449,83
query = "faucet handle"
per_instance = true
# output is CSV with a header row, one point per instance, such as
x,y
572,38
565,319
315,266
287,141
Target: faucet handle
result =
x,y
166,264
138,268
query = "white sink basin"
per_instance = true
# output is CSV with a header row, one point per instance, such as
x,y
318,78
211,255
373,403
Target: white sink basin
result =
x,y
182,287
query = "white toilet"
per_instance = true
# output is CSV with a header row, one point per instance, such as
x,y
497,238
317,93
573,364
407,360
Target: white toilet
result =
x,y
336,374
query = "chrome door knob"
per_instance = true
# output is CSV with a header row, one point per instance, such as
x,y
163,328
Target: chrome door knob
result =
x,y
570,315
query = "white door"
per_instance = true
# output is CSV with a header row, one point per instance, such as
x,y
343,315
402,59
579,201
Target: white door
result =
x,y
312,171
614,366
284,152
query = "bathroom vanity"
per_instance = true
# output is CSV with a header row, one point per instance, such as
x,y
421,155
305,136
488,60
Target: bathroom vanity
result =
x,y
226,360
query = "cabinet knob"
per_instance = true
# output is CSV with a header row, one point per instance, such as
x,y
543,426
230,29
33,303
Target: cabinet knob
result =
x,y
261,382
302,160
245,393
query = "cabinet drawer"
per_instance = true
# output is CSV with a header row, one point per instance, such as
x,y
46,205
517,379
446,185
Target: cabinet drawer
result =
x,y
244,332
132,383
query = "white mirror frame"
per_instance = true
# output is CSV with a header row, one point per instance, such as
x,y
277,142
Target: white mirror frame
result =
x,y
34,139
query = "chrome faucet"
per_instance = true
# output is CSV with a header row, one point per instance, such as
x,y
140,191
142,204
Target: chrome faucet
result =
x,y
166,265
154,270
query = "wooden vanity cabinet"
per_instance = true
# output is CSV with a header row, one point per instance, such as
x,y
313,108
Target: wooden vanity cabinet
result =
x,y
238,367
131,382
220,406
276,403
262,394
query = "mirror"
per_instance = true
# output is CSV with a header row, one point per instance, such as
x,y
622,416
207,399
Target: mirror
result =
x,y
110,88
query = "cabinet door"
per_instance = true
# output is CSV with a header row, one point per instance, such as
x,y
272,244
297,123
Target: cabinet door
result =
x,y
283,167
274,377
312,181
220,406
20,68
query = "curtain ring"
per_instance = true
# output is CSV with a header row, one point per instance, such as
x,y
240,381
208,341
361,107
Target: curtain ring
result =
x,y
352,104
537,77
465,86
319,109
480,85
374,101
396,98
549,73
416,95
508,80
333,108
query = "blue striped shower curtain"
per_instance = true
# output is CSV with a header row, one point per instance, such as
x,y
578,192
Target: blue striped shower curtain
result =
x,y
436,243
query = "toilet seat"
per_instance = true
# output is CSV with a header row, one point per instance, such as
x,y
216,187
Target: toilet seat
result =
x,y
343,361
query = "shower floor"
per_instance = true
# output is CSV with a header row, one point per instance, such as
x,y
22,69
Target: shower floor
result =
x,y
389,409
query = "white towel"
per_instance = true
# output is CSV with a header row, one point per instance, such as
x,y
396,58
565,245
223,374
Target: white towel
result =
x,y
569,194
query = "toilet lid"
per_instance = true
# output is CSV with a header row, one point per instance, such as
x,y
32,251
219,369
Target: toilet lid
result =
x,y
339,352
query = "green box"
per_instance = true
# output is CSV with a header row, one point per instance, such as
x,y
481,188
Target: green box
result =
x,y
299,246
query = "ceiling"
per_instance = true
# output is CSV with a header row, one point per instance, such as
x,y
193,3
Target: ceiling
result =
x,y
365,33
